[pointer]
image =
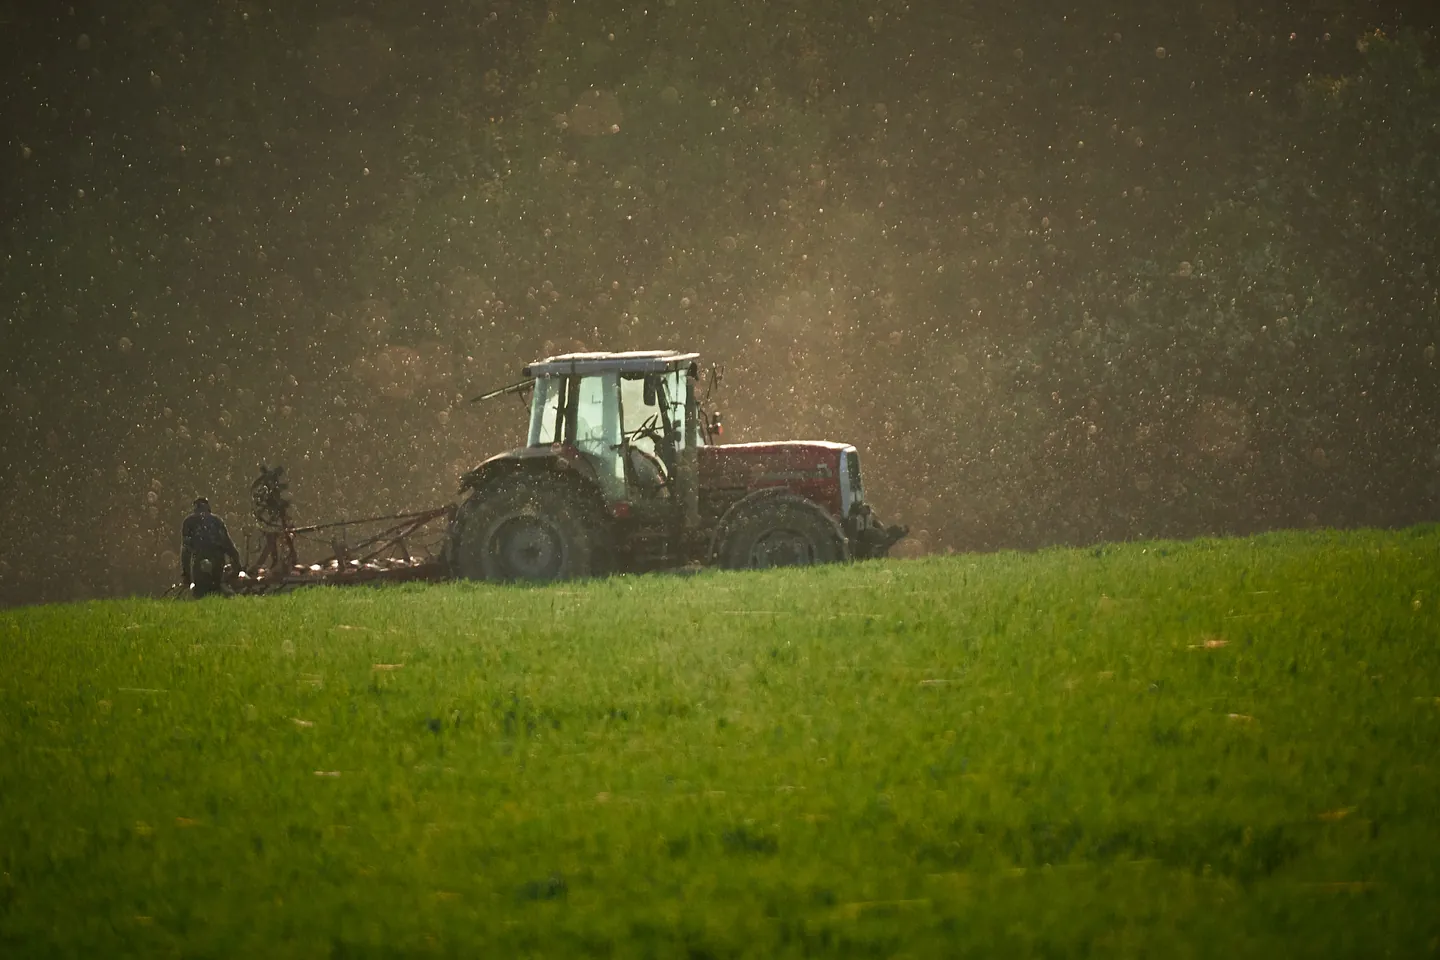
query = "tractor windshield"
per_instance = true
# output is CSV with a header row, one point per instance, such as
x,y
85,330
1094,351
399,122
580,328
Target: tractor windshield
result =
x,y
659,403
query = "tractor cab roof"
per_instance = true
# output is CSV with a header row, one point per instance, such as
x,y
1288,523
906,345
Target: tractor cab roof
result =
x,y
630,361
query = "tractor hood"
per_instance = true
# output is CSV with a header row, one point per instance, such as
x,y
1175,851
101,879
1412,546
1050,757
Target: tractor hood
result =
x,y
786,463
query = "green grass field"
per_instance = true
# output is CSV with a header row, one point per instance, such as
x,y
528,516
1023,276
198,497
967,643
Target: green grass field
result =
x,y
1208,749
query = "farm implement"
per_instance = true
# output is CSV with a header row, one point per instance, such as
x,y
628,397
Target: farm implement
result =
x,y
623,471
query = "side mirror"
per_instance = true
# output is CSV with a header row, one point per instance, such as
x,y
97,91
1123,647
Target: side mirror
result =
x,y
651,394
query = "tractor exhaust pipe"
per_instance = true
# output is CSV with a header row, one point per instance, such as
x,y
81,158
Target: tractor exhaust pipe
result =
x,y
688,475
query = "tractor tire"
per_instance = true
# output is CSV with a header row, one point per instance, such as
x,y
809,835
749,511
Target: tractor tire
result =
x,y
527,528
780,531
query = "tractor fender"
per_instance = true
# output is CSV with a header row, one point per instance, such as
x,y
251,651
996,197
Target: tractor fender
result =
x,y
745,503
559,459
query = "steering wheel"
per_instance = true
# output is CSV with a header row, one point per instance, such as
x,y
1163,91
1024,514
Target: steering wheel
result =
x,y
649,430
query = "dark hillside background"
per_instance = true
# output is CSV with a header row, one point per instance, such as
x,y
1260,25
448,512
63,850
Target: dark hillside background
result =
x,y
1065,272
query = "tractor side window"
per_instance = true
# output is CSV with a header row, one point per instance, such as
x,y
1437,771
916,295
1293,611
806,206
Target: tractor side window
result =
x,y
545,412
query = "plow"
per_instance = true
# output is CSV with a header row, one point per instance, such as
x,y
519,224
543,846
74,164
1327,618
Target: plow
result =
x,y
624,470
393,548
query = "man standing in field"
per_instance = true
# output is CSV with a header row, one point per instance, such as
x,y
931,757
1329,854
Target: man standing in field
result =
x,y
205,544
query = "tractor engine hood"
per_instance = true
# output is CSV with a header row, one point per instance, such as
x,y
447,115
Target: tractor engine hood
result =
x,y
827,473
785,463
819,470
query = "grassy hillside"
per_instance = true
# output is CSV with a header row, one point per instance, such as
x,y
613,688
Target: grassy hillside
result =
x,y
1208,749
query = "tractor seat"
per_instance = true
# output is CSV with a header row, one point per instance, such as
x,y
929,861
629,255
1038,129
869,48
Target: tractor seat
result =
x,y
645,472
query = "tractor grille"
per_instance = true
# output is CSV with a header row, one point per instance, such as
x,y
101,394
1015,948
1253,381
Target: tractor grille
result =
x,y
852,471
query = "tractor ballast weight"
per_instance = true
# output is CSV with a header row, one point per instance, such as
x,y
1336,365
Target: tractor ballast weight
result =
x,y
620,473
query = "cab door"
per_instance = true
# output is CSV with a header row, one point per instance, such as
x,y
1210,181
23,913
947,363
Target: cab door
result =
x,y
596,426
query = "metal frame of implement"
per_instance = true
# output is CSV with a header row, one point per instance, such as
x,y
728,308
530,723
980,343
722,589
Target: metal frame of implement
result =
x,y
382,557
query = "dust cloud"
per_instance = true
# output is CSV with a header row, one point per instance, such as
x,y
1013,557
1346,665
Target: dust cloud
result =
x,y
1063,276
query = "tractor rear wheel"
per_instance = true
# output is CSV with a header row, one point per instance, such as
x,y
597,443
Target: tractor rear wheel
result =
x,y
526,528
781,531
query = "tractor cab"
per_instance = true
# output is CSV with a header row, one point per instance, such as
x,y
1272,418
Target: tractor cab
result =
x,y
632,416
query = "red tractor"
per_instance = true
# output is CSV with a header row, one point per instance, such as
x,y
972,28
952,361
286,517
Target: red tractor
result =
x,y
621,473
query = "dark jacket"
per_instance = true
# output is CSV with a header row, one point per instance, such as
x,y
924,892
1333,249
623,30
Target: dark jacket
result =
x,y
203,535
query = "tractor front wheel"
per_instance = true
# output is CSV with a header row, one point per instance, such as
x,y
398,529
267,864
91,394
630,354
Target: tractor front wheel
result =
x,y
781,531
526,528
